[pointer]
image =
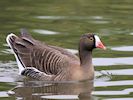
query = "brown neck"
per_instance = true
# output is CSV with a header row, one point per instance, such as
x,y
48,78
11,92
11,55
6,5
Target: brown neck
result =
x,y
85,57
86,63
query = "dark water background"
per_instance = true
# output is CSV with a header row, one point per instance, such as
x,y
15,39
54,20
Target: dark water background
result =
x,y
61,23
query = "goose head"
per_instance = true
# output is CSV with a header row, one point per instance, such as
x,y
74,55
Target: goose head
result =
x,y
90,41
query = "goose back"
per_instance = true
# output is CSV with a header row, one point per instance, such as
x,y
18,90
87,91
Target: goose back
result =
x,y
49,59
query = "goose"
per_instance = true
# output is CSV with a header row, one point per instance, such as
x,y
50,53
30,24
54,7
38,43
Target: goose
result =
x,y
44,62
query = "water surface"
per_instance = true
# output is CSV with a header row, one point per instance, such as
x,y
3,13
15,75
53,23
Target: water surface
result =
x,y
62,23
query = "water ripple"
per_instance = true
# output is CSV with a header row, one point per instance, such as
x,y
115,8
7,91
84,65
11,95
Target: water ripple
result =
x,y
123,48
73,17
41,31
113,83
3,94
118,72
113,61
119,99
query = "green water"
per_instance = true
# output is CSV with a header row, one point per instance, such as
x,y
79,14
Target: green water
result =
x,y
110,19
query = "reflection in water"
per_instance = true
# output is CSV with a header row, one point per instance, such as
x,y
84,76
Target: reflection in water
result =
x,y
7,69
6,51
51,17
36,90
119,99
41,31
72,17
113,61
3,94
113,83
93,19
99,22
123,48
110,93
131,33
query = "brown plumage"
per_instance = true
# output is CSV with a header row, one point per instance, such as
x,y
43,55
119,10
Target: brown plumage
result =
x,y
45,62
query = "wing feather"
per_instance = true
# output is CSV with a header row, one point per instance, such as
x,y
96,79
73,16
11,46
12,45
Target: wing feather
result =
x,y
48,59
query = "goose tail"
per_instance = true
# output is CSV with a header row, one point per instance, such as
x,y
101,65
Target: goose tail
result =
x,y
11,41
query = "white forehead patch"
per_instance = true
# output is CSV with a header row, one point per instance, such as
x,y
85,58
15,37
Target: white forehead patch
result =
x,y
97,40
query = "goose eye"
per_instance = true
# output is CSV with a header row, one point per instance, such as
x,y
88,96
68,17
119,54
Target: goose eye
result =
x,y
91,38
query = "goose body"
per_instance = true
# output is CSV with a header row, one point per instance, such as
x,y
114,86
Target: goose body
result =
x,y
41,61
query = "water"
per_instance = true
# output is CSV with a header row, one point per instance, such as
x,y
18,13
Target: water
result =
x,y
62,23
